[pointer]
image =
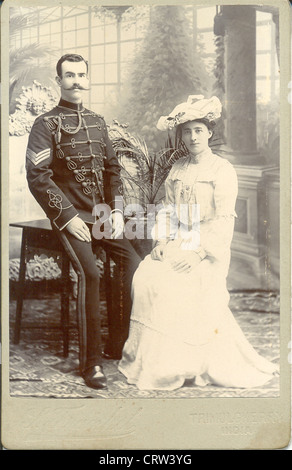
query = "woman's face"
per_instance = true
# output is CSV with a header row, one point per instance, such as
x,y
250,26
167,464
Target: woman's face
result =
x,y
196,136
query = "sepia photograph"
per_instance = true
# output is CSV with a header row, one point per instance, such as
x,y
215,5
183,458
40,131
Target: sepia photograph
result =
x,y
144,190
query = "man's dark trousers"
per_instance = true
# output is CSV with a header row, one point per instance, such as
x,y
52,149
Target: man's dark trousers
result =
x,y
82,257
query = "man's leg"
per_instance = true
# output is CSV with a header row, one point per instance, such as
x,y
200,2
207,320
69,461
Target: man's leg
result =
x,y
127,260
83,261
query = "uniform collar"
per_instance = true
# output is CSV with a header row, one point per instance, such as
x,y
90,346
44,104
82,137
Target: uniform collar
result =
x,y
68,104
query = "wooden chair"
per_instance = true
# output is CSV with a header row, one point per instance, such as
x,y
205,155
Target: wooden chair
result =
x,y
38,234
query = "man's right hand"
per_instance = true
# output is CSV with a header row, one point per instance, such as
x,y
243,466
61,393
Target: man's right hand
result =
x,y
79,229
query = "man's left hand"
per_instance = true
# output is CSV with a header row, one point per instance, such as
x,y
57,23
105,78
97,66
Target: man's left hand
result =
x,y
117,222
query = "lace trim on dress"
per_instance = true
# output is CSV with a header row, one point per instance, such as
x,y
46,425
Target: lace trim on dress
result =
x,y
220,216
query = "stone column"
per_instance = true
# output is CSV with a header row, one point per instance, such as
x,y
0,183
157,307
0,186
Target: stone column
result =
x,y
251,266
240,66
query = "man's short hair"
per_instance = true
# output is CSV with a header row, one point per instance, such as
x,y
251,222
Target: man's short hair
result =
x,y
70,58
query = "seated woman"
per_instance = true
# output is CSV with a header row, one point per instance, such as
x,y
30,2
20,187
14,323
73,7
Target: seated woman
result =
x,y
181,327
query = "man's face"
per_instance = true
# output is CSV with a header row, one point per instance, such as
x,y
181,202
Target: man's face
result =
x,y
73,81
196,136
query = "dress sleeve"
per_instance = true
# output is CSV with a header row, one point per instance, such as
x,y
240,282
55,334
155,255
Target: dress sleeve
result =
x,y
216,234
39,156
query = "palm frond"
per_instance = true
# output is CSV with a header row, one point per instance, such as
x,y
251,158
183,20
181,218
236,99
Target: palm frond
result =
x,y
18,20
29,52
25,62
151,169
131,146
144,186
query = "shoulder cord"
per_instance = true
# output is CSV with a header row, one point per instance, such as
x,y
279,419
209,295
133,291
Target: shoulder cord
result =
x,y
66,130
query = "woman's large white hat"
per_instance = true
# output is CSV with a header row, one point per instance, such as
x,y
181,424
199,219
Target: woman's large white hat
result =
x,y
196,107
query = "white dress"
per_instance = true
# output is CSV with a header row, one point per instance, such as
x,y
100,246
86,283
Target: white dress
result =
x,y
181,327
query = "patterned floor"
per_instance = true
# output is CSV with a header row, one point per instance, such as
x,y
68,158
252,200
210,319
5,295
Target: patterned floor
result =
x,y
38,369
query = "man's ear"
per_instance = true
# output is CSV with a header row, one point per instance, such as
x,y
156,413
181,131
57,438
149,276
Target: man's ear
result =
x,y
58,80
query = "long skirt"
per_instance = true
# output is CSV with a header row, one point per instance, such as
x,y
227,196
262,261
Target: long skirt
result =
x,y
182,329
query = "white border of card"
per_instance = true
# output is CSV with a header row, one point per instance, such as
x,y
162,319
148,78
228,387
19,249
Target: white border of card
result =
x,y
141,424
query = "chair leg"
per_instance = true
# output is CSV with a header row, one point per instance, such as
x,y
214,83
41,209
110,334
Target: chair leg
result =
x,y
21,286
108,294
80,307
65,303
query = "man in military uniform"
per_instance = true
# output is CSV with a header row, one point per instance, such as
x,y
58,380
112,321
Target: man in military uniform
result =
x,y
71,168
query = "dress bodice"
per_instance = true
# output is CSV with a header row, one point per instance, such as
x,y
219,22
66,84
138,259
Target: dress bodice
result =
x,y
209,182
200,197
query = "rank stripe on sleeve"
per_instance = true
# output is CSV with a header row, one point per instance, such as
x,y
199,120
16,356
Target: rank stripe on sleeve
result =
x,y
37,158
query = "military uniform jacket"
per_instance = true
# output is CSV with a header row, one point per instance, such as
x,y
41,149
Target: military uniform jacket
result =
x,y
71,165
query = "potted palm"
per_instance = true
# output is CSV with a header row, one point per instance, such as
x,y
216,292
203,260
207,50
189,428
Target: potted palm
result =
x,y
143,175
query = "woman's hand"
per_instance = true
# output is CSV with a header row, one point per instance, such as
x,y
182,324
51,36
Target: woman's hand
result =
x,y
183,261
158,251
